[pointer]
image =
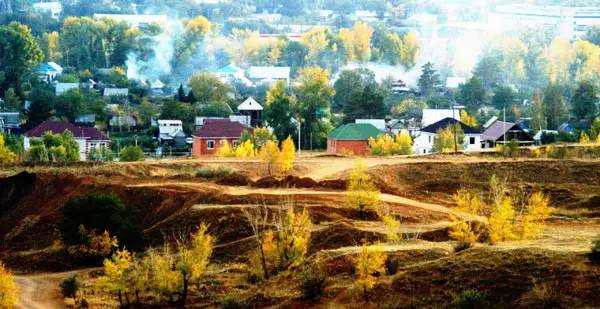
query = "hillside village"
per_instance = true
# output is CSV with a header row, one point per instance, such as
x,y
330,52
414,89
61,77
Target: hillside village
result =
x,y
296,154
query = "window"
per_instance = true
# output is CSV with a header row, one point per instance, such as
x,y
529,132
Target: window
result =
x,y
222,142
471,141
236,142
429,139
210,144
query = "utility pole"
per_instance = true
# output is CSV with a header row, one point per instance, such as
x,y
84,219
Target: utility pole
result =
x,y
504,124
299,139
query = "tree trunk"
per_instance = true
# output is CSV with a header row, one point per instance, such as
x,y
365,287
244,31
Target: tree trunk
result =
x,y
264,262
184,292
120,299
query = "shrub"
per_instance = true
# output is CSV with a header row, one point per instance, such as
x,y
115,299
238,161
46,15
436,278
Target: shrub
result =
x,y
312,281
596,249
369,262
69,286
98,213
469,299
131,154
541,296
8,289
391,265
233,301
211,172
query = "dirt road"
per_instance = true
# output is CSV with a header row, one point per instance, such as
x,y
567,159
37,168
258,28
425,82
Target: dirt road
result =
x,y
41,291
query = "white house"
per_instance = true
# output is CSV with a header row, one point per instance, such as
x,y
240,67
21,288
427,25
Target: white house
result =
x,y
425,137
87,138
230,73
169,130
116,92
452,82
269,74
52,8
61,88
431,116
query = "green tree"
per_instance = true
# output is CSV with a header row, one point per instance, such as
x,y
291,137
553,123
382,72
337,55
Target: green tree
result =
x,y
19,53
70,104
11,101
62,147
472,94
314,98
349,80
429,81
42,102
131,154
279,111
391,49
97,213
209,89
584,101
364,103
554,106
503,97
488,68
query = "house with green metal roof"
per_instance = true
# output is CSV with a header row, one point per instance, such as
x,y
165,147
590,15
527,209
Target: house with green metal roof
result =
x,y
351,138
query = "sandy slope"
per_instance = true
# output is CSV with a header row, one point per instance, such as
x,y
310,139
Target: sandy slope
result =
x,y
41,291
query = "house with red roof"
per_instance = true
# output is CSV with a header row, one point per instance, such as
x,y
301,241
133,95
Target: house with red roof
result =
x,y
87,138
214,134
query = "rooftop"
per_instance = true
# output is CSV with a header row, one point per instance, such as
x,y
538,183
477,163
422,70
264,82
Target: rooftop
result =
x,y
354,132
444,123
58,127
221,128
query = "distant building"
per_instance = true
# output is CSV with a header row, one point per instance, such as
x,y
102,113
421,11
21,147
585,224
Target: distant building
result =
x,y
501,131
431,116
52,8
140,20
453,82
87,138
171,131
351,138
122,121
269,74
116,92
252,109
400,86
425,138
569,22
10,122
230,73
214,134
49,71
377,123
87,120
244,120
61,88
366,16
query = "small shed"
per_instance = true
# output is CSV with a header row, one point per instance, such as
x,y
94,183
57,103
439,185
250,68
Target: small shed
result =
x,y
252,109
351,138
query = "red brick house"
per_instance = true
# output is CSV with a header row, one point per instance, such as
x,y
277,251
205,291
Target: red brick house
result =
x,y
215,133
351,138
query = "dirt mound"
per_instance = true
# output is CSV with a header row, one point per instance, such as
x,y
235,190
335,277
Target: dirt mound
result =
x,y
341,234
504,276
335,184
235,179
592,203
14,188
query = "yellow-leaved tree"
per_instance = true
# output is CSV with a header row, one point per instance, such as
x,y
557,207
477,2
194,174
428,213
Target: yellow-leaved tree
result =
x,y
6,155
392,227
269,152
282,238
502,222
8,289
598,139
315,41
370,261
404,142
537,211
192,260
362,192
468,119
225,150
245,150
288,155
584,138
118,277
462,230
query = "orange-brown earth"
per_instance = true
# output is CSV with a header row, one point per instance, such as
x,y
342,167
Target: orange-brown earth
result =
x,y
168,197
